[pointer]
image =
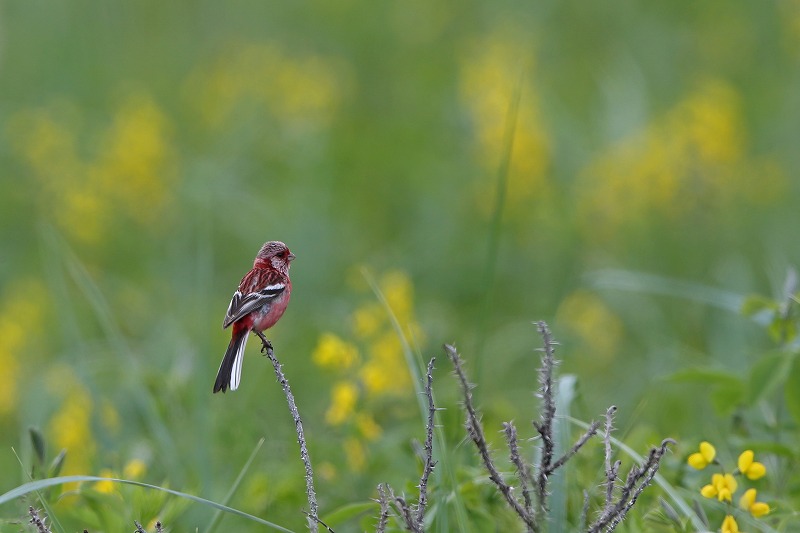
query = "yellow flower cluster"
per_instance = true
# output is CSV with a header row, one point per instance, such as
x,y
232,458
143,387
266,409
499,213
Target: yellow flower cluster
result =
x,y
299,91
490,73
133,470
372,365
23,307
724,485
71,425
586,316
691,161
132,166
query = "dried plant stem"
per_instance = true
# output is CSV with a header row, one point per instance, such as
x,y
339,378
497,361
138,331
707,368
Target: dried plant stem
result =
x,y
612,469
475,431
548,409
383,501
429,462
523,474
638,479
313,519
41,527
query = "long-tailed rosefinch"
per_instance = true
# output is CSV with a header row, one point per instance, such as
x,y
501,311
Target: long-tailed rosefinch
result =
x,y
257,305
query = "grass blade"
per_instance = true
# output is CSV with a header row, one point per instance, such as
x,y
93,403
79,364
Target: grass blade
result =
x,y
40,484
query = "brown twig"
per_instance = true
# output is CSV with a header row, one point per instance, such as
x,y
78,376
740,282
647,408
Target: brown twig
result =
x,y
41,527
638,479
548,409
383,501
612,469
429,462
475,431
523,473
313,518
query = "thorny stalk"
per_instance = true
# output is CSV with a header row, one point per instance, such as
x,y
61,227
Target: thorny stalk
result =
x,y
638,479
612,469
383,501
313,519
429,462
523,474
548,408
41,527
475,431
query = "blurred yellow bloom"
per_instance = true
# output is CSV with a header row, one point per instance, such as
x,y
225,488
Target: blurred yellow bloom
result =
x,y
107,487
748,503
587,316
333,352
722,486
134,469
693,159
386,370
367,426
399,293
367,319
729,525
327,471
71,428
491,71
704,457
355,453
749,467
298,90
24,303
109,416
343,401
134,165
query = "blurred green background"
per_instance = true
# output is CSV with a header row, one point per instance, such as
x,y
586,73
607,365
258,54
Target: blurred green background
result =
x,y
149,149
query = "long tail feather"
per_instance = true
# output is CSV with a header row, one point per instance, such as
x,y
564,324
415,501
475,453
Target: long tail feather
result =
x,y
230,370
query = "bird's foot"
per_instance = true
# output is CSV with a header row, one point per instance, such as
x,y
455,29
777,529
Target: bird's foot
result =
x,y
266,345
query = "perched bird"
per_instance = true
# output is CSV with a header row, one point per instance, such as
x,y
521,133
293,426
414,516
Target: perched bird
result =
x,y
257,305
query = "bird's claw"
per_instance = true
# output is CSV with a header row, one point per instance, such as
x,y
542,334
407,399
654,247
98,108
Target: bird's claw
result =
x,y
266,345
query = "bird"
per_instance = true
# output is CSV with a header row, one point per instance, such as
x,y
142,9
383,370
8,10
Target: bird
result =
x,y
257,305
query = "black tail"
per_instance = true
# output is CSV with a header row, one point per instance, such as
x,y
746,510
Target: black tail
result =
x,y
230,370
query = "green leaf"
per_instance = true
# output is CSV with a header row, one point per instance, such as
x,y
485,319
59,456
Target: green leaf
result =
x,y
347,512
727,389
40,484
706,376
792,393
669,512
37,440
756,303
767,374
57,464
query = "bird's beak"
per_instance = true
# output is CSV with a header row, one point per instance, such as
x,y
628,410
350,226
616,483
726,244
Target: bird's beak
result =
x,y
291,256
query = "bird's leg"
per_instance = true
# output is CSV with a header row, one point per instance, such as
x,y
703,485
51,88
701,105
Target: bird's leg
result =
x,y
266,346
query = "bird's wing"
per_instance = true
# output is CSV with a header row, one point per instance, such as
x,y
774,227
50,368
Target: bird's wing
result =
x,y
257,289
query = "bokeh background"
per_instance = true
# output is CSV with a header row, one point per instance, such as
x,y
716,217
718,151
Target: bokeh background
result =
x,y
623,170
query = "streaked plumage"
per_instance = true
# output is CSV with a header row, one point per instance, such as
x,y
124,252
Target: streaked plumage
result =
x,y
259,302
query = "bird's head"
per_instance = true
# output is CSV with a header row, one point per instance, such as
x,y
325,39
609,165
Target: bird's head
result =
x,y
276,254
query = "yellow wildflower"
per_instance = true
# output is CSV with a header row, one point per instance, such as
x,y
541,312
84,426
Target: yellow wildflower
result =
x,y
106,486
729,525
334,352
704,457
367,319
343,401
749,467
748,503
134,469
399,293
367,426
71,428
356,454
722,486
